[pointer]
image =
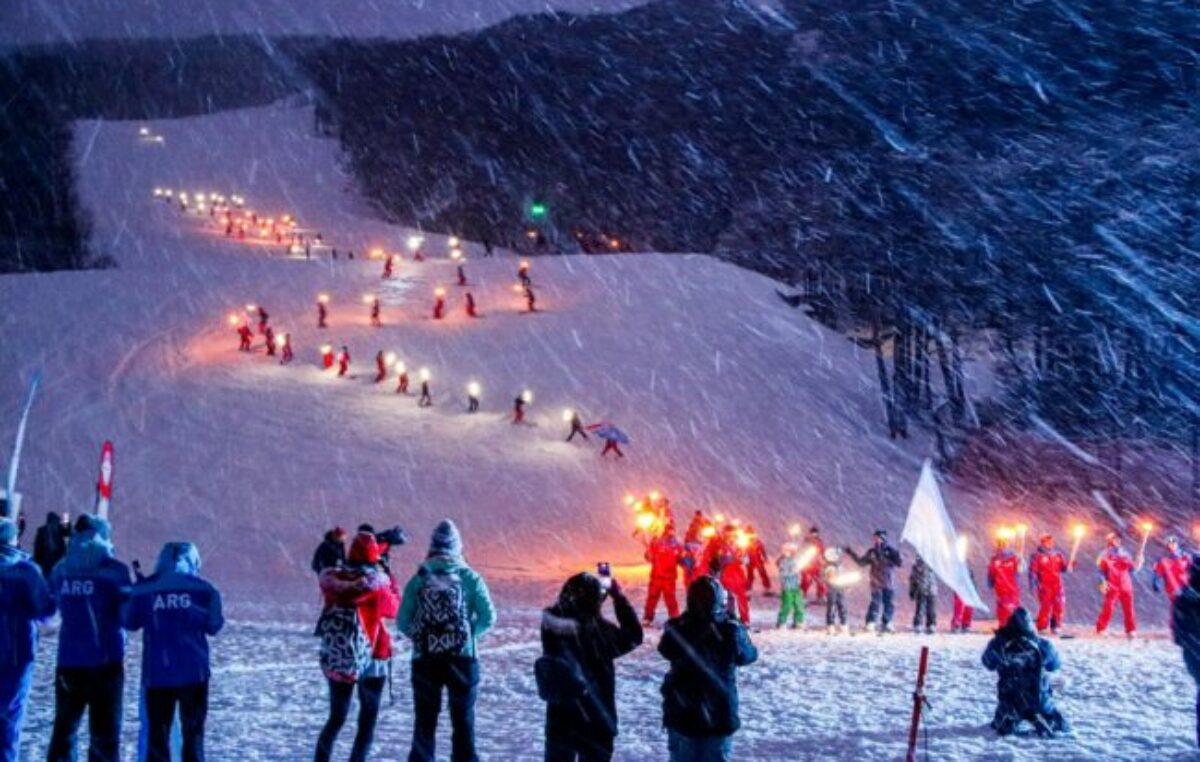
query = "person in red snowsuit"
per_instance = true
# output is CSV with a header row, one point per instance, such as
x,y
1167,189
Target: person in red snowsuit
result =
x,y
1046,567
1116,568
611,445
1171,571
811,575
439,307
402,382
376,320
518,409
732,574
471,306
757,556
322,315
343,362
530,300
380,367
245,336
387,267
270,334
960,621
263,319
1002,577
288,355
664,554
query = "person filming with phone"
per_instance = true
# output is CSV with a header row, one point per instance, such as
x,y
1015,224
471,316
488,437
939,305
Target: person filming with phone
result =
x,y
576,676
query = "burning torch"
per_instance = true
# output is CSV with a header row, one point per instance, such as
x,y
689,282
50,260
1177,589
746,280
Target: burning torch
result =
x,y
1077,533
1147,528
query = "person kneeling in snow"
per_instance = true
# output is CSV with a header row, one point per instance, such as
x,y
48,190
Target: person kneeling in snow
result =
x,y
1021,660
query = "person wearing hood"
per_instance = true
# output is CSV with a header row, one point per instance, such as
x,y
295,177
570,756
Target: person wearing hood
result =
x,y
25,600
90,586
50,543
1022,659
883,560
445,609
923,592
705,646
178,611
1185,627
368,594
577,676
331,552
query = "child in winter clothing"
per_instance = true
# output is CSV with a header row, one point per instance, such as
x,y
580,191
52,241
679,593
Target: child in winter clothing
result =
x,y
835,596
922,591
791,599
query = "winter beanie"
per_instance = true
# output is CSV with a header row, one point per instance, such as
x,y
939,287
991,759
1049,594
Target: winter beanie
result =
x,y
446,540
8,532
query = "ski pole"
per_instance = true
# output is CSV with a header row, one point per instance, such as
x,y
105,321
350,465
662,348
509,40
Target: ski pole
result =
x,y
918,701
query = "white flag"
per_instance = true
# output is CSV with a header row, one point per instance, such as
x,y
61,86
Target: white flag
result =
x,y
929,531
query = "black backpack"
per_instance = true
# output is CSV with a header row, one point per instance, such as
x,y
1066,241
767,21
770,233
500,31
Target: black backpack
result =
x,y
1021,665
443,626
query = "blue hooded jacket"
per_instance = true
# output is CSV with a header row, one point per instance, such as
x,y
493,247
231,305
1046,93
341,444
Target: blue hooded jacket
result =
x,y
90,586
178,611
24,601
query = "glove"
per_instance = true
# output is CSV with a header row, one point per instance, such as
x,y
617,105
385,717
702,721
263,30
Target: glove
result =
x,y
1103,586
615,589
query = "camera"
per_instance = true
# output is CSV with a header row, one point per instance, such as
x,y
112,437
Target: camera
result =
x,y
393,537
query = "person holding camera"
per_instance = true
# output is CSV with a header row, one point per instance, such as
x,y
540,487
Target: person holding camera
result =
x,y
576,675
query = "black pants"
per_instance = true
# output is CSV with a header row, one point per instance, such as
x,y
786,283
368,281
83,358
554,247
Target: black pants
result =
x,y
882,600
925,614
98,691
192,701
570,739
370,695
835,607
459,675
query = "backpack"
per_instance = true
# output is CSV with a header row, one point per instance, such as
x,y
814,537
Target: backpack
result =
x,y
1021,675
442,625
345,649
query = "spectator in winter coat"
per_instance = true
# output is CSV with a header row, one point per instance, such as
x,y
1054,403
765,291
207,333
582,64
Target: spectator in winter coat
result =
x,y
90,587
1046,567
178,611
1003,577
1116,583
883,560
728,563
331,552
1185,624
705,647
664,554
446,607
575,633
50,543
1021,659
922,591
24,601
362,586
1171,571
791,600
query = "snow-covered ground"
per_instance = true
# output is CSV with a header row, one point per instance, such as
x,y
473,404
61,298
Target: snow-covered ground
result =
x,y
34,22
735,403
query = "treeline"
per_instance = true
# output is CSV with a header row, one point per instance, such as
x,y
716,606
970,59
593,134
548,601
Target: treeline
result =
x,y
42,226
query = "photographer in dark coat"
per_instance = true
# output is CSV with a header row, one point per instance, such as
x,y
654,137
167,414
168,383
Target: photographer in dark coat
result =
x,y
1021,660
1185,626
331,553
576,671
700,697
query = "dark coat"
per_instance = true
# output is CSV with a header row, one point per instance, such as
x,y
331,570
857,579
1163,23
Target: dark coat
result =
x,y
705,647
922,582
1186,619
50,544
883,561
592,643
329,554
1022,660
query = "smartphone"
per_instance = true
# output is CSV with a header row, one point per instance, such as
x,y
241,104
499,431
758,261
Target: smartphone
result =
x,y
604,572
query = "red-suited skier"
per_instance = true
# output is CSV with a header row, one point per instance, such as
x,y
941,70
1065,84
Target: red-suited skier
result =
x,y
1116,568
1046,567
1003,578
728,565
756,554
664,554
1171,571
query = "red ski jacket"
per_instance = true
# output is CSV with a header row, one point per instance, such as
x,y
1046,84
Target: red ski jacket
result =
x,y
1116,568
1171,572
1046,568
664,554
1002,575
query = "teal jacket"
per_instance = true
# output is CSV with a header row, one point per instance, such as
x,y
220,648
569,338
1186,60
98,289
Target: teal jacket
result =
x,y
475,593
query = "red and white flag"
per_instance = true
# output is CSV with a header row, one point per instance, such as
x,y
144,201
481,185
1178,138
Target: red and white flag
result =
x,y
104,482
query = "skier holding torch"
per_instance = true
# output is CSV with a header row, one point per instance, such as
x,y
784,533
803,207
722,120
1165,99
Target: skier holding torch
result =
x,y
380,367
1116,583
1002,576
473,392
288,355
344,362
1046,568
471,312
439,303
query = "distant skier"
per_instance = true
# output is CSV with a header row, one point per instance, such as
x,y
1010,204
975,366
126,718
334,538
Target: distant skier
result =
x,y
472,398
245,336
462,276
402,379
322,314
811,576
270,335
791,601
471,311
612,436
1021,660
288,354
530,300
756,553
1046,567
664,554
263,320
519,403
439,304
388,267
1171,571
523,275
576,426
1116,568
1002,577
835,595
376,320
344,362
922,591
426,399
380,367
883,560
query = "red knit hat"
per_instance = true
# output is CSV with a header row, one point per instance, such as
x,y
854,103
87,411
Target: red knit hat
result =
x,y
364,549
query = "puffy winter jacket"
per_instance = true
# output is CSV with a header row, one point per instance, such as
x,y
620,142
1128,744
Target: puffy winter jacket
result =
x,y
883,561
1003,575
1171,572
1185,620
664,555
789,572
922,581
1019,696
90,587
331,552
178,611
480,611
25,600
705,647
373,593
1116,569
1046,568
